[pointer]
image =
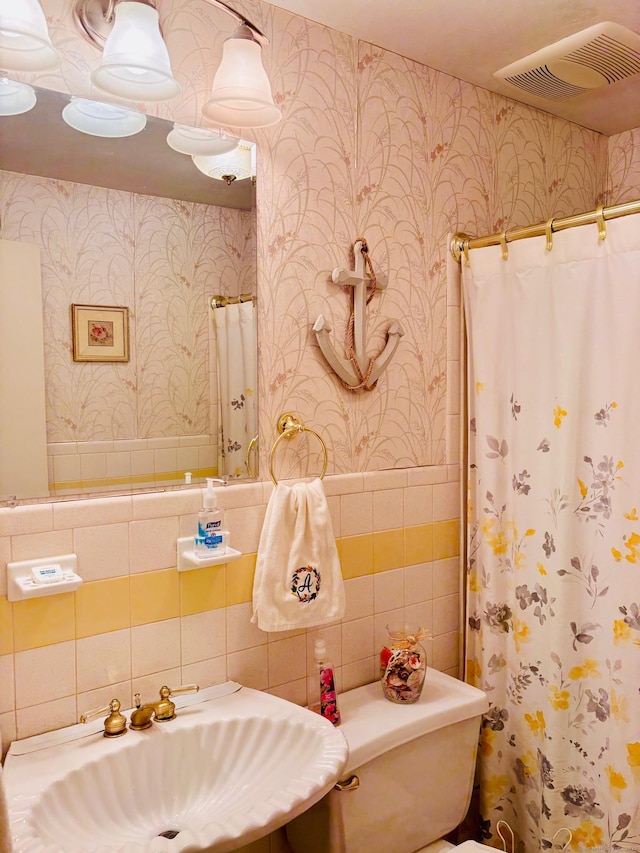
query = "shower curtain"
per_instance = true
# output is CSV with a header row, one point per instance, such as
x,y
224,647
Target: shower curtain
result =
x,y
236,347
553,541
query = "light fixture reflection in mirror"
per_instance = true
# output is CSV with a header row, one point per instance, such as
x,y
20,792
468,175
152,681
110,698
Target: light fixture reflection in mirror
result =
x,y
15,98
230,167
99,119
199,141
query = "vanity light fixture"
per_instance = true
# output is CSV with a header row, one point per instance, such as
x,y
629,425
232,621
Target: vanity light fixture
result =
x,y
235,165
136,61
99,119
25,44
15,98
241,93
200,141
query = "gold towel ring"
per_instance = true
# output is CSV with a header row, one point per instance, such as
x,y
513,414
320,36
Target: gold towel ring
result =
x,y
288,426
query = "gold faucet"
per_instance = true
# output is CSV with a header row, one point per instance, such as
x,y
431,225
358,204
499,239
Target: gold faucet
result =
x,y
115,724
162,710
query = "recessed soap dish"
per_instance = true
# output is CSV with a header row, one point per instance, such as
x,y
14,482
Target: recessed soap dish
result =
x,y
44,576
189,560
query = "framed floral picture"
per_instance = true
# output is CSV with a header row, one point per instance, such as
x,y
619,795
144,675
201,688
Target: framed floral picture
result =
x,y
100,332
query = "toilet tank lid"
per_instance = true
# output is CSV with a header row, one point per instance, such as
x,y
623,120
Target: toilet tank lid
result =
x,y
373,725
473,847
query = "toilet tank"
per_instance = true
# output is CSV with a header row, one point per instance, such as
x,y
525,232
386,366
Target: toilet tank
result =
x,y
415,765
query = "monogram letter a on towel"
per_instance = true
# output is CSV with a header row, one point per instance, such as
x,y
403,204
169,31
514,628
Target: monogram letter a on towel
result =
x,y
298,580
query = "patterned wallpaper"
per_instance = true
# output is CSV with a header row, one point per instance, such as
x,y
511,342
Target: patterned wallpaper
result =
x,y
371,145
623,173
161,258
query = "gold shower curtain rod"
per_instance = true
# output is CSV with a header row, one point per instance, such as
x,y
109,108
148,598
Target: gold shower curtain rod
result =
x,y
223,301
461,243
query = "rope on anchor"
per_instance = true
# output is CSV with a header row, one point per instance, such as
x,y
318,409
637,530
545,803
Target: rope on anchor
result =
x,y
351,352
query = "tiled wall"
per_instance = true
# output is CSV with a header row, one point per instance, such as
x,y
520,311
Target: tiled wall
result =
x,y
136,623
111,466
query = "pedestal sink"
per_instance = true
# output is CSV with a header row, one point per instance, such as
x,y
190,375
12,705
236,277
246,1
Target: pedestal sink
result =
x,y
233,766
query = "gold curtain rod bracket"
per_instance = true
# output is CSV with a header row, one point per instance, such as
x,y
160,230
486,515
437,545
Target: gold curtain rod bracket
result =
x,y
597,216
457,245
220,301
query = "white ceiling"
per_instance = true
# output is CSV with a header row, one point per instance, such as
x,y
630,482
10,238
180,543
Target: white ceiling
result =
x,y
471,39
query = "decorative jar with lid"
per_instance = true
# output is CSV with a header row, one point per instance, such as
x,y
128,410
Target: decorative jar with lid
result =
x,y
403,664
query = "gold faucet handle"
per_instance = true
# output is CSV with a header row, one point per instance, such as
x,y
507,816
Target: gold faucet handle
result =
x,y
178,691
114,725
165,708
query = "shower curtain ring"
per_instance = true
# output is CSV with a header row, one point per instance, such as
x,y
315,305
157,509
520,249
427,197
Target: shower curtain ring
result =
x,y
465,251
602,228
503,243
548,230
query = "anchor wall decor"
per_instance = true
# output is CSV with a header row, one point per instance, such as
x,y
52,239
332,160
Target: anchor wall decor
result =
x,y
357,371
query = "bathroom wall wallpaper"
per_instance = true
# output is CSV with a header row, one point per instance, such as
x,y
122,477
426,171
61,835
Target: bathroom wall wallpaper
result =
x,y
379,146
371,145
623,173
159,257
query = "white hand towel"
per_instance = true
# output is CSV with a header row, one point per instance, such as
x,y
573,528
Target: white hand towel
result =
x,y
298,580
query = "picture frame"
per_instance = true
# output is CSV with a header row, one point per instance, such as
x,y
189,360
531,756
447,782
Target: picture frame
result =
x,y
100,332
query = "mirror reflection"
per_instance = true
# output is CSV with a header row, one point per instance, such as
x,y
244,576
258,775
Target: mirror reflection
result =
x,y
126,223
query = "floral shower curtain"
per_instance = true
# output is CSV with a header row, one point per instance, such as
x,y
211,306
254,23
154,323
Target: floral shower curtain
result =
x,y
553,546
236,347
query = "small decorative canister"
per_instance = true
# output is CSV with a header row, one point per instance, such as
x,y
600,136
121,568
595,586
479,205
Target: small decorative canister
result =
x,y
403,664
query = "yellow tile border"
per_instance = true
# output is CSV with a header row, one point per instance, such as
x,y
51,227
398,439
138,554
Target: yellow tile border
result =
x,y
240,575
356,555
155,596
6,627
103,606
203,589
39,622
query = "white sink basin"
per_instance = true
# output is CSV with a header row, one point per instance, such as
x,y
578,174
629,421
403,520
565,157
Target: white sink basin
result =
x,y
225,772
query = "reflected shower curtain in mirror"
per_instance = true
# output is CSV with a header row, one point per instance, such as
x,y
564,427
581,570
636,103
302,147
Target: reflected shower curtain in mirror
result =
x,y
553,542
236,346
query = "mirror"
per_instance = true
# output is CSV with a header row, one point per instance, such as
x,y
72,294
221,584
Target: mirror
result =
x,y
130,223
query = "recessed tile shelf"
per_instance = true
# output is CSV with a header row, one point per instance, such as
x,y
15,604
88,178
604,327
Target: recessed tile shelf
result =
x,y
188,559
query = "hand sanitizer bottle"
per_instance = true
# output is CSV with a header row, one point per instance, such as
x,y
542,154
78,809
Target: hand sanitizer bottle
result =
x,y
210,538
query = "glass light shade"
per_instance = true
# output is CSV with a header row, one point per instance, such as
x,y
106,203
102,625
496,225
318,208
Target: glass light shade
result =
x,y
227,167
15,98
24,37
98,119
241,93
200,141
135,62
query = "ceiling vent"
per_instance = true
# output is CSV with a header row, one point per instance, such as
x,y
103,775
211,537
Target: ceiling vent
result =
x,y
597,56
